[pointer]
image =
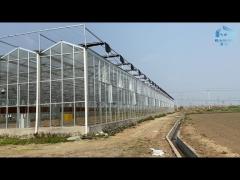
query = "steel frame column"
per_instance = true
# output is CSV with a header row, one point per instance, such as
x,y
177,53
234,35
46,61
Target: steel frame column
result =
x,y
100,91
85,89
62,89
7,93
38,112
94,91
28,124
18,95
85,80
74,90
50,88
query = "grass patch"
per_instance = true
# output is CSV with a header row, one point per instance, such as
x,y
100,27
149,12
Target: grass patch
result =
x,y
114,130
146,119
37,139
160,115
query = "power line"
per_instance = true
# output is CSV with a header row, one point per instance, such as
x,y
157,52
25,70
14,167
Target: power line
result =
x,y
207,90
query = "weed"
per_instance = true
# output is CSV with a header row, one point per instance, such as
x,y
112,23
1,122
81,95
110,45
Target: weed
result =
x,y
36,139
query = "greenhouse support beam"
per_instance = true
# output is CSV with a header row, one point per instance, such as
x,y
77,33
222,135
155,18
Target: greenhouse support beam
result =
x,y
37,96
85,89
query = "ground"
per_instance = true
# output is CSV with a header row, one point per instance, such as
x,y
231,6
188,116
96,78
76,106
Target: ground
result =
x,y
213,134
132,142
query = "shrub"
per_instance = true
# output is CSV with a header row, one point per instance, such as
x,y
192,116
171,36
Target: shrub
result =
x,y
36,139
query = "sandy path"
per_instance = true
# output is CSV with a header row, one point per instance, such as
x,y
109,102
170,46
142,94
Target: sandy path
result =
x,y
132,142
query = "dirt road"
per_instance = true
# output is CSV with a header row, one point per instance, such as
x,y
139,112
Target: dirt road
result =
x,y
132,142
213,135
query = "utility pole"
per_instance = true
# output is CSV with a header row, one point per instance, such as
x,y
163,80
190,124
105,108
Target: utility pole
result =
x,y
208,93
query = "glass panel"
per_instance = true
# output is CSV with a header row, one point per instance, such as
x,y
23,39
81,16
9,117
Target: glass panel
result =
x,y
114,111
44,92
115,77
22,121
111,75
103,98
90,78
56,67
114,95
32,93
12,117
120,82
80,111
3,95
107,93
107,102
67,48
79,65
32,115
56,91
23,94
68,66
77,50
119,115
2,117
109,118
68,90
79,89
46,53
96,68
102,71
107,72
90,89
68,115
91,113
127,82
103,112
23,70
32,55
45,68
56,114
96,83
98,112
3,72
45,116
56,49
12,95
12,72
13,55
33,70
23,54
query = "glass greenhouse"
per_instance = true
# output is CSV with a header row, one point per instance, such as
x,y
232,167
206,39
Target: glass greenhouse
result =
x,y
69,84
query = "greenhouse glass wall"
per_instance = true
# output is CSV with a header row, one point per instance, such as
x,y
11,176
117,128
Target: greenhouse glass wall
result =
x,y
69,85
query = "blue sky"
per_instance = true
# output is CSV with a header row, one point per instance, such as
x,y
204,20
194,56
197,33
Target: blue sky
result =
x,y
182,58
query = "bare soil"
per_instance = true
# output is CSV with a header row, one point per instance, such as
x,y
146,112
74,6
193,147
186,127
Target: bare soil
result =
x,y
132,142
213,134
